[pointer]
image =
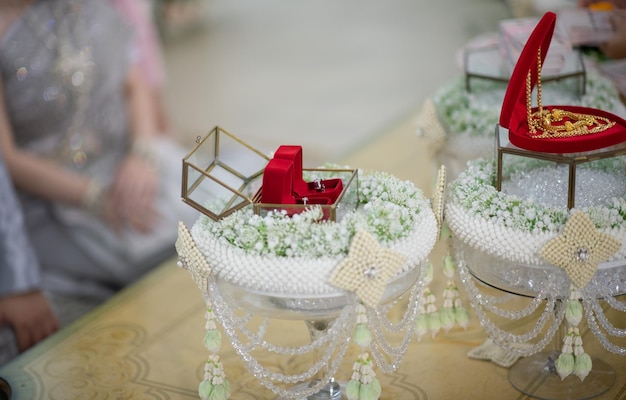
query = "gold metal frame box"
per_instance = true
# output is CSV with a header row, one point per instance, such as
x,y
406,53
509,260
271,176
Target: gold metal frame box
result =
x,y
223,174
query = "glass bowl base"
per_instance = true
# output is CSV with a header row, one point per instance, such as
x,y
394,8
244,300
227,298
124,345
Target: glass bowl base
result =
x,y
332,391
536,377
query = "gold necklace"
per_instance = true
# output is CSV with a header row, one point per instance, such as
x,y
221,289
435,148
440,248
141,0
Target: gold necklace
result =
x,y
557,123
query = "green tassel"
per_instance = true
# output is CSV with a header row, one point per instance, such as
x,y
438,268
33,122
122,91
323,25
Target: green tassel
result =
x,y
362,335
462,317
582,366
352,389
447,318
434,323
565,365
213,340
421,326
574,312
449,266
370,391
219,393
204,389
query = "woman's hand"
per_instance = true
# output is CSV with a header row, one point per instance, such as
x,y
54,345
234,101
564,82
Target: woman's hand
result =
x,y
130,200
30,316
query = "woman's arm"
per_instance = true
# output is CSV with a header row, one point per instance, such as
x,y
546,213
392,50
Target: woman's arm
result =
x,y
136,181
36,175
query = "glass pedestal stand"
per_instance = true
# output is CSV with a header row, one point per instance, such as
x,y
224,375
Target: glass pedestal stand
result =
x,y
332,390
535,375
330,319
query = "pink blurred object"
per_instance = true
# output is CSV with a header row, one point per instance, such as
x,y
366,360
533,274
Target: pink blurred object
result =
x,y
149,53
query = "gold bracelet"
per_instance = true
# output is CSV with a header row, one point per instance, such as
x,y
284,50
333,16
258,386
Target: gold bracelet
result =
x,y
93,198
142,148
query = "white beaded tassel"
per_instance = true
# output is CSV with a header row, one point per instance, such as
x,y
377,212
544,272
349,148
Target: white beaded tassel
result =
x,y
363,384
573,359
428,319
453,311
214,386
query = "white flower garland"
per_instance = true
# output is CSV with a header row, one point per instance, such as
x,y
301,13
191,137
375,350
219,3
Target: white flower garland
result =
x,y
265,253
513,228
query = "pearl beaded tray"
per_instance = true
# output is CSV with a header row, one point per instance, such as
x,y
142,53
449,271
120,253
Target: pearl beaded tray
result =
x,y
282,252
512,226
394,210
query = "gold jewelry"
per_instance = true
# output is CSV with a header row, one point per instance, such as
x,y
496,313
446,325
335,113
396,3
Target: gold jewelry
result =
x,y
93,198
142,148
557,123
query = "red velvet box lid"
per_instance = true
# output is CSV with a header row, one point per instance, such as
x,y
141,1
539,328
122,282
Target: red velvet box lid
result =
x,y
513,115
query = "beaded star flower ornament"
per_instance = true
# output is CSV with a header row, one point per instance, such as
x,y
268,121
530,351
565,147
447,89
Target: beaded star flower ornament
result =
x,y
578,250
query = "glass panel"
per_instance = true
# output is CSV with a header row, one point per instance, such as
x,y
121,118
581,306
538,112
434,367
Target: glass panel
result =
x,y
222,174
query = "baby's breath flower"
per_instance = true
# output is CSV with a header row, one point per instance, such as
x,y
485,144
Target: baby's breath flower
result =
x,y
474,190
389,209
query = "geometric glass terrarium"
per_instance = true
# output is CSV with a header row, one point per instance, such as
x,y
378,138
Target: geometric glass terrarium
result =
x,y
488,63
223,174
566,136
566,165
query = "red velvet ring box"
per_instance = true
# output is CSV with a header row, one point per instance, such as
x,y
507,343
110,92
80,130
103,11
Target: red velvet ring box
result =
x,y
278,182
283,182
322,189
278,178
514,111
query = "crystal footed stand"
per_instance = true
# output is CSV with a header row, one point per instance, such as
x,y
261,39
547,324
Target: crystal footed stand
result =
x,y
332,390
331,321
536,376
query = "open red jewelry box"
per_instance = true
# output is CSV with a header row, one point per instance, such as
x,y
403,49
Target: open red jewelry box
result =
x,y
223,174
569,129
283,181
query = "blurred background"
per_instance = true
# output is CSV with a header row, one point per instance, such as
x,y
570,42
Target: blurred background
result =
x,y
329,75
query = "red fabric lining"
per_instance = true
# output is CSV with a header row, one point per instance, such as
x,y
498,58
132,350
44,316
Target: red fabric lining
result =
x,y
301,188
513,115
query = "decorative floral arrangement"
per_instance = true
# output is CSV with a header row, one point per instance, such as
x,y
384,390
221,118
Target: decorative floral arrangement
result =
x,y
386,239
570,243
389,211
476,113
475,192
